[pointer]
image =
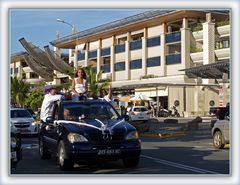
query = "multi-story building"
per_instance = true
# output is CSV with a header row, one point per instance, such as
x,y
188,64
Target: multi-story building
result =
x,y
148,52
20,69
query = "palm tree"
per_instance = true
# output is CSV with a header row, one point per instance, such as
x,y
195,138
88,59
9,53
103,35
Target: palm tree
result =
x,y
95,81
19,91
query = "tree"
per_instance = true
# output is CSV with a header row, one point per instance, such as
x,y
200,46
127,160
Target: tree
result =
x,y
35,99
19,91
95,81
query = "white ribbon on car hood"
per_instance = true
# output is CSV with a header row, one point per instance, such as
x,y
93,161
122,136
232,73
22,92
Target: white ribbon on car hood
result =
x,y
102,128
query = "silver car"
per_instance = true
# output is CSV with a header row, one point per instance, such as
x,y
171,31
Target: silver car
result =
x,y
22,122
220,133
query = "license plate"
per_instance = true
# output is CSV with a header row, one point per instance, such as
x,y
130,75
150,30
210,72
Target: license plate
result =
x,y
109,152
23,130
14,156
140,117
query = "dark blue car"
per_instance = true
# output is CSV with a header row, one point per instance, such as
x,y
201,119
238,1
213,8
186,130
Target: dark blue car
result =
x,y
88,131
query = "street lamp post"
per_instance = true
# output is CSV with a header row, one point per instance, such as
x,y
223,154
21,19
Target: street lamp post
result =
x,y
75,62
72,26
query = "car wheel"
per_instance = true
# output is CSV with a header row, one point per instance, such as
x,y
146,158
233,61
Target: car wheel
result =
x,y
218,141
131,162
64,162
43,151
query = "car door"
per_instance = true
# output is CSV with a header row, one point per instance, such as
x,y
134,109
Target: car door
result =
x,y
51,131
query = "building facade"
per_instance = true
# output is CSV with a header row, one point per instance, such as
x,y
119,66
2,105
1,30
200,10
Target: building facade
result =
x,y
147,52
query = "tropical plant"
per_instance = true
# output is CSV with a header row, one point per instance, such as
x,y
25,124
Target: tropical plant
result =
x,y
35,98
19,91
95,81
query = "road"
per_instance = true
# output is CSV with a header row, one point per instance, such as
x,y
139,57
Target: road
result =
x,y
176,155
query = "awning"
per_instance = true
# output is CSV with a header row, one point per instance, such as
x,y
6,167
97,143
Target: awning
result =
x,y
209,71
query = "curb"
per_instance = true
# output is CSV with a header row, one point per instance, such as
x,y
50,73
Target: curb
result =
x,y
163,135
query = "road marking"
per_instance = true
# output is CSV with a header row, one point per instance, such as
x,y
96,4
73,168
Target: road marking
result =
x,y
177,165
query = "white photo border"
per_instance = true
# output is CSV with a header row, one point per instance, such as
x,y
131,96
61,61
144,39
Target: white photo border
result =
x,y
234,178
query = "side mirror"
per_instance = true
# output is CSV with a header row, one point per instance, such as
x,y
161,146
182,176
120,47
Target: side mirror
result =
x,y
50,120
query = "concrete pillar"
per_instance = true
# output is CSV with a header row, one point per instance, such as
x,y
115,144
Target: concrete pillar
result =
x,y
163,71
127,56
208,42
99,62
144,52
185,44
86,54
112,59
75,61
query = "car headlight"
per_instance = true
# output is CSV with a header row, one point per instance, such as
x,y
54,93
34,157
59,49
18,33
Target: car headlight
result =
x,y
13,142
33,123
132,135
73,137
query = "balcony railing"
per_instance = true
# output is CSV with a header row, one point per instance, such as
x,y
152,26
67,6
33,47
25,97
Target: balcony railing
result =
x,y
173,59
81,56
136,45
120,66
155,41
105,68
92,54
120,48
173,37
105,51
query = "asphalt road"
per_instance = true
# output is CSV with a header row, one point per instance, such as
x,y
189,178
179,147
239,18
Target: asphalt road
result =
x,y
176,155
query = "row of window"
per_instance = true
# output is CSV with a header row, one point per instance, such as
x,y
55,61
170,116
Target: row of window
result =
x,y
134,45
137,64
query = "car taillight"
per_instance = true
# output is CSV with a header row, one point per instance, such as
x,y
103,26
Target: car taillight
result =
x,y
148,112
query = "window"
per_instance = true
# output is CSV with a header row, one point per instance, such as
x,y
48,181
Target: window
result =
x,y
137,36
24,76
11,71
120,66
173,59
222,44
16,70
105,51
136,64
153,41
154,61
136,45
81,55
121,40
24,64
120,48
33,75
92,54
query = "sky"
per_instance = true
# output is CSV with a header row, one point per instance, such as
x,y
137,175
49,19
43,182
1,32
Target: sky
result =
x,y
39,26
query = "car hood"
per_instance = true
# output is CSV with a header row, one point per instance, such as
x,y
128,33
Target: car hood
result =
x,y
21,120
109,124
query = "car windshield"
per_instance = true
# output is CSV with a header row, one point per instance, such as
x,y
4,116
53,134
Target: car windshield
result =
x,y
139,109
31,111
20,114
93,111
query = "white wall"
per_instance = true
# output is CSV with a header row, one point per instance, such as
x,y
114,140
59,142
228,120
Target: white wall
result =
x,y
120,75
154,51
120,57
136,74
154,31
107,42
93,45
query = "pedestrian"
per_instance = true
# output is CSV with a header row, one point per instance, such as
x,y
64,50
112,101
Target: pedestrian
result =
x,y
48,103
79,85
107,96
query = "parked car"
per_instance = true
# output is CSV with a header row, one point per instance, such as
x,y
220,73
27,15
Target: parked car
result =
x,y
139,113
16,149
32,113
220,132
90,130
23,122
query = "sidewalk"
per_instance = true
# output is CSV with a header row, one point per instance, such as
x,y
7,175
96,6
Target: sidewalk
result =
x,y
172,127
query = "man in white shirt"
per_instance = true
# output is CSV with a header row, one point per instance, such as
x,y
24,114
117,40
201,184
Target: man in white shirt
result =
x,y
107,96
48,103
